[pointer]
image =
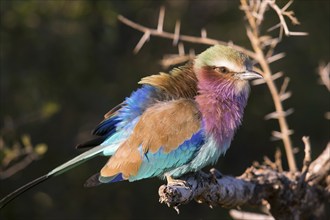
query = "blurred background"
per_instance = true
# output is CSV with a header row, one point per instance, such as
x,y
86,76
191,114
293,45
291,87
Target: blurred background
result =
x,y
64,64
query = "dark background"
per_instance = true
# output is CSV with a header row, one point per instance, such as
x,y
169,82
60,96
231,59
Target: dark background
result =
x,y
76,58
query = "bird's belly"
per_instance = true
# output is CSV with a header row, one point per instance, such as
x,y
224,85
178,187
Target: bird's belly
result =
x,y
206,155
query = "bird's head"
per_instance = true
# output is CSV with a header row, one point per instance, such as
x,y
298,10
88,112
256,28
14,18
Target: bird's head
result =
x,y
225,64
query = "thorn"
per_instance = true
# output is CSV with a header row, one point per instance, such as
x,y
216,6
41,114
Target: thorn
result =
x,y
297,34
258,82
203,33
262,81
161,19
281,33
272,41
284,85
192,53
176,32
279,136
274,27
176,209
275,57
285,96
276,115
287,6
277,75
181,49
142,41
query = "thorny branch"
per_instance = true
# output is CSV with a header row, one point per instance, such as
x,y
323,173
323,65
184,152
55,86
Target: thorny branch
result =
x,y
257,45
175,36
283,193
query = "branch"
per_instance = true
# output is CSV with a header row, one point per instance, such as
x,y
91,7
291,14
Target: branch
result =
x,y
286,197
185,38
257,45
213,189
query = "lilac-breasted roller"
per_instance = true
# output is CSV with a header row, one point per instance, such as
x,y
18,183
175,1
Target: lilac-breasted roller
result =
x,y
174,124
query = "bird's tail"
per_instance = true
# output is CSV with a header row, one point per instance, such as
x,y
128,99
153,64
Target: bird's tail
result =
x,y
55,172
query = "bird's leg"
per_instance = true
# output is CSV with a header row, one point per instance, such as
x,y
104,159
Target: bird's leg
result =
x,y
172,181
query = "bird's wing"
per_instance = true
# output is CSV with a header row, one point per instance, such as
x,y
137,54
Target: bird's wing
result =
x,y
109,122
123,114
180,83
162,128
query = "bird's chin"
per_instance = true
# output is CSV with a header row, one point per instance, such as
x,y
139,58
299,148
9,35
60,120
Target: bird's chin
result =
x,y
241,86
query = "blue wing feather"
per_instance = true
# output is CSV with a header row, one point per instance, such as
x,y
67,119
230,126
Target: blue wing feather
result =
x,y
107,127
136,104
157,164
122,116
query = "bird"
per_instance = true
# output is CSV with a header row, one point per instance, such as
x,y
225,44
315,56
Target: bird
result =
x,y
174,123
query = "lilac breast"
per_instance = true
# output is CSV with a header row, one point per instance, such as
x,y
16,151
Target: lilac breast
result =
x,y
222,107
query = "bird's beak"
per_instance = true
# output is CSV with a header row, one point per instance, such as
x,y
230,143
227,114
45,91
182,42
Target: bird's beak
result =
x,y
249,75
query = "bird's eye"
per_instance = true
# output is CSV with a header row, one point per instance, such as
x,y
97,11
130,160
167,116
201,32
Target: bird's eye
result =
x,y
222,69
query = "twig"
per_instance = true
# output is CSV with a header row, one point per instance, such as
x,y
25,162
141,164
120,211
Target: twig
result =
x,y
186,38
307,158
307,161
28,159
281,13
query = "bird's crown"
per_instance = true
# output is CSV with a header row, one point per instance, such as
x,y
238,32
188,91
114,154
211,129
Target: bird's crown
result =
x,y
219,55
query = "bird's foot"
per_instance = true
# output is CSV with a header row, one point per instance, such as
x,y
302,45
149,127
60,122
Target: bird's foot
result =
x,y
177,182
215,175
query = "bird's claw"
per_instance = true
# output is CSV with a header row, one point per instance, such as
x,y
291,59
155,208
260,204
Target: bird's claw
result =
x,y
215,174
177,182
